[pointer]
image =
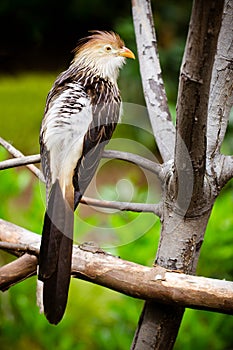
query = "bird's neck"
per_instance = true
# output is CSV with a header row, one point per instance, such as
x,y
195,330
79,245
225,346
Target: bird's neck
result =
x,y
108,69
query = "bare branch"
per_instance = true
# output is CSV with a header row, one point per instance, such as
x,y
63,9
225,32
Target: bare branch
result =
x,y
17,271
153,86
93,264
17,154
221,97
15,162
145,163
123,206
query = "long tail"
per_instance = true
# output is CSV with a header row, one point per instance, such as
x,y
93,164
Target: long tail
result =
x,y
56,253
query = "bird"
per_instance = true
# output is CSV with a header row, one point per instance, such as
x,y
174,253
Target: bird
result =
x,y
82,110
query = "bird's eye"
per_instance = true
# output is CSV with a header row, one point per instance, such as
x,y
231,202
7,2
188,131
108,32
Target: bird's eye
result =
x,y
108,48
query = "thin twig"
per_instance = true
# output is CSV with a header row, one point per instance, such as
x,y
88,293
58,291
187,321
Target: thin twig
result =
x,y
135,207
145,163
15,162
17,154
17,271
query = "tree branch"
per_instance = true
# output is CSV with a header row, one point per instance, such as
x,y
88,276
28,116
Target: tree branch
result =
x,y
153,86
17,154
123,206
193,95
221,97
93,264
15,162
17,271
145,163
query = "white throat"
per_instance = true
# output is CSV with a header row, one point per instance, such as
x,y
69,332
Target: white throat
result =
x,y
105,67
109,68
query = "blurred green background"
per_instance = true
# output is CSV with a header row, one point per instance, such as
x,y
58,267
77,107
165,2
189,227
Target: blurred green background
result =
x,y
37,38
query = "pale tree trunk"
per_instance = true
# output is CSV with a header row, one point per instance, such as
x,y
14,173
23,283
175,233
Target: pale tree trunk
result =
x,y
195,176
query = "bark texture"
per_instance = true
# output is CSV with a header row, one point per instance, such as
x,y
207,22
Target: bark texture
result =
x,y
188,198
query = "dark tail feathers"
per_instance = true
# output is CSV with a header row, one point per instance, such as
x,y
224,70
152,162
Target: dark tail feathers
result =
x,y
56,255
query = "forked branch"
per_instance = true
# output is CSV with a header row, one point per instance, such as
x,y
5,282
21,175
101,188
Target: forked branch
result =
x,y
17,154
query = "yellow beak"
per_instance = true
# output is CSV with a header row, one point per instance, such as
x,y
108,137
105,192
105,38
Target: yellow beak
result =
x,y
125,52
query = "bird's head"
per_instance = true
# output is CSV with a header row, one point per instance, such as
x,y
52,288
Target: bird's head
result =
x,y
102,52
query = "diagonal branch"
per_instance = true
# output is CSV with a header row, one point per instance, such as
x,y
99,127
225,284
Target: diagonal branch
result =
x,y
93,264
221,98
20,161
145,163
17,154
153,86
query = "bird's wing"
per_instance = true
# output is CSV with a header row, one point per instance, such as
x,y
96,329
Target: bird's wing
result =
x,y
106,104
67,116
66,121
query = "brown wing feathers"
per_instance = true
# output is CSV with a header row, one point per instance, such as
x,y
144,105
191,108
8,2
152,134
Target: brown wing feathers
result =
x,y
105,102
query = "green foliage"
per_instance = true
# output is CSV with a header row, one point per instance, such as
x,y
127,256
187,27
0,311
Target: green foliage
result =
x,y
217,252
205,330
227,146
22,106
